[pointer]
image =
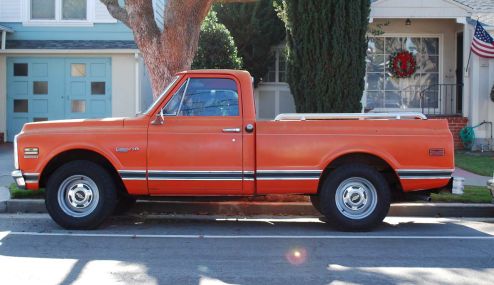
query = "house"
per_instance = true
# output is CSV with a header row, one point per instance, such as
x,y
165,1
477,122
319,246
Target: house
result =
x,y
439,34
76,61
62,59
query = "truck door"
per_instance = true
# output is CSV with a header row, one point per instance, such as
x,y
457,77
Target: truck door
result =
x,y
197,148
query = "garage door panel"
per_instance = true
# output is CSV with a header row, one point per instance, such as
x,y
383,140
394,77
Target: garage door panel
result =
x,y
52,88
39,70
18,88
39,106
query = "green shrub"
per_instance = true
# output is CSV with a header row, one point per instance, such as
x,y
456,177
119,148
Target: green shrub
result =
x,y
217,49
327,47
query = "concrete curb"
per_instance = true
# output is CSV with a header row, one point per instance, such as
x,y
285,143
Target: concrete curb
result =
x,y
144,207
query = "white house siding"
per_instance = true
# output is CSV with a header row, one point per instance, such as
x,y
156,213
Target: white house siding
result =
x,y
10,10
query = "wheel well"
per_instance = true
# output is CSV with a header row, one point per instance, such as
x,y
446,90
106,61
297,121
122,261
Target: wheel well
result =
x,y
80,154
364,158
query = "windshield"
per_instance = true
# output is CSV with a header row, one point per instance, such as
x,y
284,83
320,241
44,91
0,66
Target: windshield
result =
x,y
163,94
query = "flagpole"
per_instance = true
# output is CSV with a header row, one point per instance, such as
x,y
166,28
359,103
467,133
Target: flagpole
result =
x,y
470,54
468,62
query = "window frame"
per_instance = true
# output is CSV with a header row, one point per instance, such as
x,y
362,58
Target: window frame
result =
x,y
58,21
186,83
440,72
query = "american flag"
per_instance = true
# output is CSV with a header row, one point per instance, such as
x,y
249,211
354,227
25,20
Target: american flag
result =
x,y
483,43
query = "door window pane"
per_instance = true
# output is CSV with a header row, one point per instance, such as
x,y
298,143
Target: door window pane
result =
x,y
173,105
43,9
73,9
40,87
210,97
78,106
78,69
384,91
21,106
40,119
20,69
98,88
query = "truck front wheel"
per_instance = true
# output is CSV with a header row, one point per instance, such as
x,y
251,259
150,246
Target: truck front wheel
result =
x,y
355,197
80,195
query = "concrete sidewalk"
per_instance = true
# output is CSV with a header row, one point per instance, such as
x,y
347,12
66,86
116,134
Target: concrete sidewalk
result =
x,y
471,178
6,167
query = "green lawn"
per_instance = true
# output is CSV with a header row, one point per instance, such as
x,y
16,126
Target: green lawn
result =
x,y
473,194
16,193
476,163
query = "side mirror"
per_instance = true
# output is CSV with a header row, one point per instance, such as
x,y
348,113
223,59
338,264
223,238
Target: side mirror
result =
x,y
160,119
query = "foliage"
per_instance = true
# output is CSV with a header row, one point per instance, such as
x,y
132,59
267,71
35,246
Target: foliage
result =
x,y
326,53
17,193
217,49
256,28
475,162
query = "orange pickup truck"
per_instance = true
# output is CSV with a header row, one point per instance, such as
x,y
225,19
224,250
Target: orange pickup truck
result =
x,y
201,138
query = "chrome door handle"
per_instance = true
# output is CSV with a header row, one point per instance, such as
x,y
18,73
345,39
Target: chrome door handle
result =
x,y
231,130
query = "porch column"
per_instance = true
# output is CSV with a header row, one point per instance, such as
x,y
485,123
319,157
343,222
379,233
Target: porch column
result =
x,y
467,38
4,39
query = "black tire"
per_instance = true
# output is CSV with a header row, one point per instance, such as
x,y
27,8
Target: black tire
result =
x,y
316,202
124,204
351,181
81,175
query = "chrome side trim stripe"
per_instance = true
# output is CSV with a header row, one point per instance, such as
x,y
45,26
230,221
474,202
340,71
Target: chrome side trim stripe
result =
x,y
288,174
133,174
424,177
410,174
220,175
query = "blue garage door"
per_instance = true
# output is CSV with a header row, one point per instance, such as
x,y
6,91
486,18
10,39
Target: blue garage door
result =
x,y
40,89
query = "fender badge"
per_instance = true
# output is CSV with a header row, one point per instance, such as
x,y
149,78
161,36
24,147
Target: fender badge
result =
x,y
127,149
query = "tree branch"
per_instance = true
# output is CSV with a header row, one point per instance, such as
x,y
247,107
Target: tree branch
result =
x,y
117,11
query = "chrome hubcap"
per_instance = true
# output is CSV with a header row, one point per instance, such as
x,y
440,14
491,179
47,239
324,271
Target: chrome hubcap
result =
x,y
356,198
78,196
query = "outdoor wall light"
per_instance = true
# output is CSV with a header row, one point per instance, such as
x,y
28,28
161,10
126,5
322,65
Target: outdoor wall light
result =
x,y
408,22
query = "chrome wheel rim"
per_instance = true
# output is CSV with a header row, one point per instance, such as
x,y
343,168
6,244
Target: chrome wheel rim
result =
x,y
356,198
78,196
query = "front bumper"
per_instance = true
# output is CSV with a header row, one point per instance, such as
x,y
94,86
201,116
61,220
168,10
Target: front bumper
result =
x,y
19,179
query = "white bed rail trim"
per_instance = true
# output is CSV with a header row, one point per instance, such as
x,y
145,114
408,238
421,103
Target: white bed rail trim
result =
x,y
349,116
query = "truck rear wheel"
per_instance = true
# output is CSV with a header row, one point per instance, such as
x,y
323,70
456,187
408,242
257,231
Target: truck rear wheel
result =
x,y
80,195
355,197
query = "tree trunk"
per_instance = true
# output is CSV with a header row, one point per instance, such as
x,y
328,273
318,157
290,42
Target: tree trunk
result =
x,y
171,50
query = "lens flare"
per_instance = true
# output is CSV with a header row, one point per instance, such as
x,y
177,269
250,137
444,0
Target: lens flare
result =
x,y
296,256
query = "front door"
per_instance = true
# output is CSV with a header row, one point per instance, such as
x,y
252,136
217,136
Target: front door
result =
x,y
197,150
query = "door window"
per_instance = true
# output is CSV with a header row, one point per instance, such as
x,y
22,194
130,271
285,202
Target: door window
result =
x,y
171,108
210,97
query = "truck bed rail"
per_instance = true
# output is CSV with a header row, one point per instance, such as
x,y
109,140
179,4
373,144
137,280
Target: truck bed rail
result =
x,y
349,116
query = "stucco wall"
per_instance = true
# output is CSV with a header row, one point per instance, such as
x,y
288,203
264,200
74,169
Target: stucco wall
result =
x,y
123,85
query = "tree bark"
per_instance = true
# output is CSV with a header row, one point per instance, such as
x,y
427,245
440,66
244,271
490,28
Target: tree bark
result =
x,y
171,50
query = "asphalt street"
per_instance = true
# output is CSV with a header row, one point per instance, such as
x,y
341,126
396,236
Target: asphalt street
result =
x,y
184,250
